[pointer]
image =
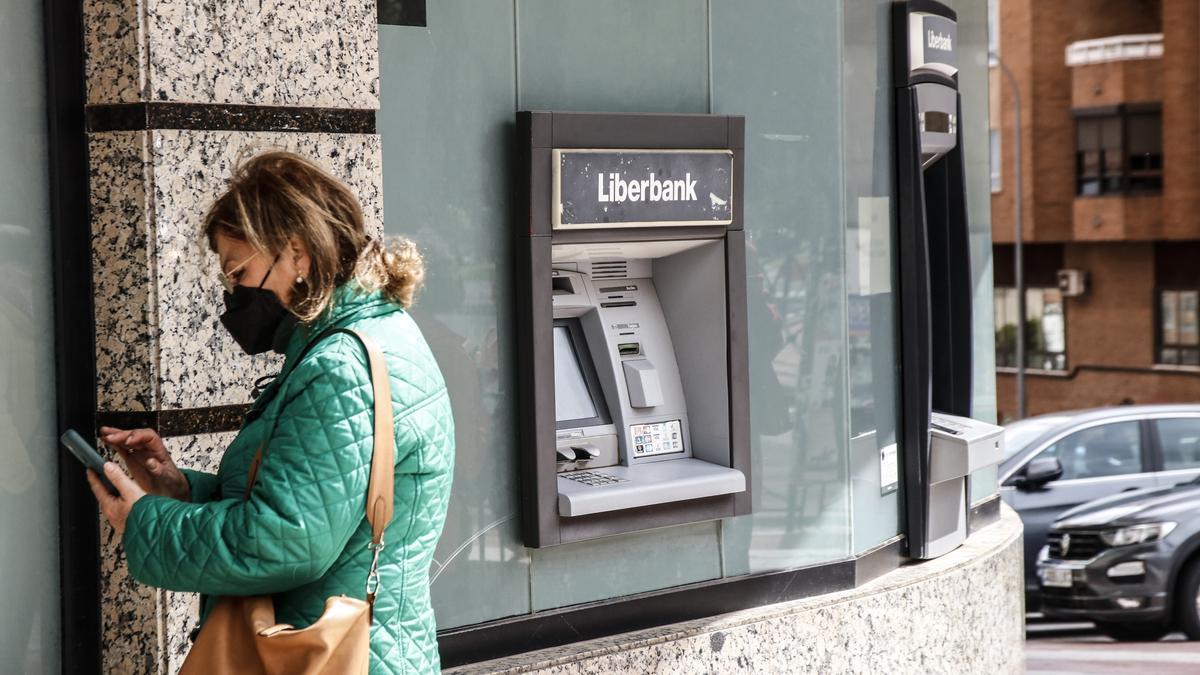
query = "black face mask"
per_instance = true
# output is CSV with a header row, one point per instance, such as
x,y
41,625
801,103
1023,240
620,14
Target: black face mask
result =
x,y
253,316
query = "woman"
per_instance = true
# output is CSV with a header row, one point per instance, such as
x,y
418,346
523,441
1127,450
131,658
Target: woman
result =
x,y
296,261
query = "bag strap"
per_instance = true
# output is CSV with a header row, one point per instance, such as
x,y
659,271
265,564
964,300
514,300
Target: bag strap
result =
x,y
381,485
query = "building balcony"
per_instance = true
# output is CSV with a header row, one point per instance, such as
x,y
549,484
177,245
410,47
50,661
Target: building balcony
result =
x,y
1115,48
1115,70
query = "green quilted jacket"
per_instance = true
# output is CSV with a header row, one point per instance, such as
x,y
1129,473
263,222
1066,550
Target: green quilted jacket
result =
x,y
302,535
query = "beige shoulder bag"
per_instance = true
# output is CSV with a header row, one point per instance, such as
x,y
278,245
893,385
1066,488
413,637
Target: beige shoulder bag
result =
x,y
241,636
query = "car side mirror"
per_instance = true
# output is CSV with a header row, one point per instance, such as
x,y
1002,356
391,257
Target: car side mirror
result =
x,y
1041,471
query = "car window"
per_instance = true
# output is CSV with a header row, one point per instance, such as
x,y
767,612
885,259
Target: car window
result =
x,y
1180,439
1108,450
1019,435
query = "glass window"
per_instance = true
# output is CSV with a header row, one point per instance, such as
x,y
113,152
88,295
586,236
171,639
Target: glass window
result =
x,y
1170,317
444,106
1187,318
1180,441
993,34
1107,450
814,83
1020,434
789,87
29,454
995,158
1145,151
1087,147
1119,152
1110,152
1045,328
1179,327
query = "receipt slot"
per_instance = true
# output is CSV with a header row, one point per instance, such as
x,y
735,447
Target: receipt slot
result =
x,y
940,449
633,398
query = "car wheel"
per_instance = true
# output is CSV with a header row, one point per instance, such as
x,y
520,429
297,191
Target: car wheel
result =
x,y
1188,594
1134,632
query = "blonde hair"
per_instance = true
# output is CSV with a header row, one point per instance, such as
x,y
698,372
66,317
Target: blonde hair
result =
x,y
276,195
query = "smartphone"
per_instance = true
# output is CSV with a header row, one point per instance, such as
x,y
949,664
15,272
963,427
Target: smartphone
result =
x,y
85,453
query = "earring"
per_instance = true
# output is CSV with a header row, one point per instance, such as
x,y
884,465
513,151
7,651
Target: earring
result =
x,y
300,280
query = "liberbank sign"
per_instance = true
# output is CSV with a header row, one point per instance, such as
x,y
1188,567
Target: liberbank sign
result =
x,y
612,188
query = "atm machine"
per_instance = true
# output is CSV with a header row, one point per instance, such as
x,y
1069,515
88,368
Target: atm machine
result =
x,y
941,444
633,396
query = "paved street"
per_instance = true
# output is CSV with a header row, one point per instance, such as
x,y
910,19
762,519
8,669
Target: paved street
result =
x,y
1074,649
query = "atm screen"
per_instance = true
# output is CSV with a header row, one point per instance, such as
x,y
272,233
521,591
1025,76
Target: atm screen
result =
x,y
572,400
576,393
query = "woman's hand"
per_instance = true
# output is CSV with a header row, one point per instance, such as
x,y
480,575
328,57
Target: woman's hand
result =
x,y
116,508
148,461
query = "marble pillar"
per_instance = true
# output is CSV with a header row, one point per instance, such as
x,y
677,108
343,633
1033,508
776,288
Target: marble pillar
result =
x,y
177,90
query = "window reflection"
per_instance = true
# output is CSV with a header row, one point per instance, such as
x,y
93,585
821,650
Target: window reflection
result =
x,y
1045,328
1108,450
1179,328
28,491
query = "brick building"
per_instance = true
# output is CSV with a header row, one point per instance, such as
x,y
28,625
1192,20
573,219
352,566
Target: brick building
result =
x,y
1110,112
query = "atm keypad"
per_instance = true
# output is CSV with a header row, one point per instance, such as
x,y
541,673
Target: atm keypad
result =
x,y
659,438
592,478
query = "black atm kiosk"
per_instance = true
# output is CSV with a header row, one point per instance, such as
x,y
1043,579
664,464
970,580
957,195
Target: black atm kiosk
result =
x,y
941,444
633,397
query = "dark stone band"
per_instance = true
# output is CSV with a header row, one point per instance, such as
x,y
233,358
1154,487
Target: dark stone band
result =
x,y
186,422
402,12
215,117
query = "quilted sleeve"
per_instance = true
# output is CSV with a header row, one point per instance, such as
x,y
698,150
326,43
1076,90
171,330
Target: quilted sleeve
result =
x,y
309,497
202,485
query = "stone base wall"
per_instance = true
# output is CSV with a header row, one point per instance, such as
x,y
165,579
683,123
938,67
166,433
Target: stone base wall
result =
x,y
961,613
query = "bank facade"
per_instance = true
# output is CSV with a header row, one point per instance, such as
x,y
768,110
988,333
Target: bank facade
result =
x,y
124,121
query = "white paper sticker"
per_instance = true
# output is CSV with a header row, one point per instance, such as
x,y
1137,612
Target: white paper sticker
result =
x,y
889,470
874,245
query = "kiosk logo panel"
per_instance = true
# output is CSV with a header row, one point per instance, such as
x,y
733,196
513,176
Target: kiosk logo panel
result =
x,y
606,188
931,44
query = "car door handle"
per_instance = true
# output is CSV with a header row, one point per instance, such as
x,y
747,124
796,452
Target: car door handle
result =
x,y
1129,489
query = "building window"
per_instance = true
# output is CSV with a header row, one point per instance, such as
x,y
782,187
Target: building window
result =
x,y
993,26
1178,328
1145,156
1045,328
1118,152
994,155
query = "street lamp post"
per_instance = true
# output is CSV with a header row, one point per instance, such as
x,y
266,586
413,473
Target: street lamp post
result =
x,y
1019,270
